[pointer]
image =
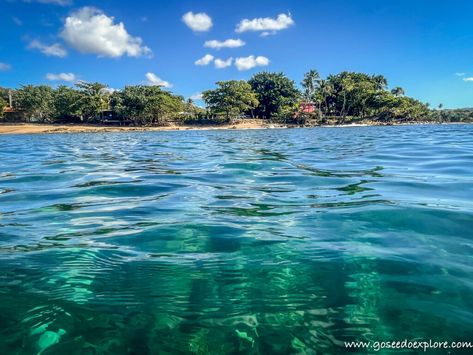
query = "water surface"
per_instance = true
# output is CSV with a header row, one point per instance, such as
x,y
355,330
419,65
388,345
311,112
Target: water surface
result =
x,y
227,242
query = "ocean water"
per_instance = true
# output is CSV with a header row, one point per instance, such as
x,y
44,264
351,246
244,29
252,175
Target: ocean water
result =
x,y
235,242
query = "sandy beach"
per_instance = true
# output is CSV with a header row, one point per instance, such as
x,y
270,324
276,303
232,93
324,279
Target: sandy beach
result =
x,y
30,128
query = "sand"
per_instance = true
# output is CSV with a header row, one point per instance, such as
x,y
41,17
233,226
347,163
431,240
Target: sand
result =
x,y
30,128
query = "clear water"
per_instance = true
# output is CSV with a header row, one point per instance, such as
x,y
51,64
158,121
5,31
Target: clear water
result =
x,y
221,242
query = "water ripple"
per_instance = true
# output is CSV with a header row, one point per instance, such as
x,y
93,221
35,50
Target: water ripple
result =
x,y
265,241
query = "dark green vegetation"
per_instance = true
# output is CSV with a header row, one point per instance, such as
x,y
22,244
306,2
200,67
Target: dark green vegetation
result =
x,y
347,97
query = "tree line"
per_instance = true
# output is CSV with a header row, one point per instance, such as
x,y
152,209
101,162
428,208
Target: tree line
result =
x,y
339,98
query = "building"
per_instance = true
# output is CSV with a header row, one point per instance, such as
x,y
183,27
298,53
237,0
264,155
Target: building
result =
x,y
306,107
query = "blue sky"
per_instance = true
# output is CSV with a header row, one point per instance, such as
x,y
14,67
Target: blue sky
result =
x,y
424,46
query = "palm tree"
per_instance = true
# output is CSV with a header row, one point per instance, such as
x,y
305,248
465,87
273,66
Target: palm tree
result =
x,y
380,82
310,84
398,91
326,90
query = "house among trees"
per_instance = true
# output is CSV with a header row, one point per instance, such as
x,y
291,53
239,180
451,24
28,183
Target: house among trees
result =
x,y
306,107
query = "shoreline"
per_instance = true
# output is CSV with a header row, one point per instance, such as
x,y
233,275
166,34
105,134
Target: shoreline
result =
x,y
32,128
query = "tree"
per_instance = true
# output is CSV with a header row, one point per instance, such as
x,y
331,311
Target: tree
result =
x,y
36,102
352,92
146,104
67,103
162,105
380,82
310,83
274,92
326,90
94,99
349,95
3,104
230,98
398,91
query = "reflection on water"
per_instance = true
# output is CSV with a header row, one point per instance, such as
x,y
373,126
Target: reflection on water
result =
x,y
252,242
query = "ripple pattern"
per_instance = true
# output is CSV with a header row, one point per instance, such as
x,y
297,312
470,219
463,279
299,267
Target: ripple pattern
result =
x,y
228,242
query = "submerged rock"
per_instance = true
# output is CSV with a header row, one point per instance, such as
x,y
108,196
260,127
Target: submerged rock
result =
x,y
49,338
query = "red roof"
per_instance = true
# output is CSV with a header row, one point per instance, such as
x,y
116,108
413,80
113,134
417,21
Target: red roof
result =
x,y
306,107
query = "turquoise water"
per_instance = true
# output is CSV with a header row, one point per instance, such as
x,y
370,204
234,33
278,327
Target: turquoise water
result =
x,y
226,242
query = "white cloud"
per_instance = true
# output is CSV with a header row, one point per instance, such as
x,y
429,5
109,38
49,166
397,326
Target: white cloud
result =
x,y
4,66
196,96
221,64
460,74
155,80
17,21
89,30
54,2
205,60
61,77
246,63
266,24
468,79
55,49
229,43
109,90
199,22
267,33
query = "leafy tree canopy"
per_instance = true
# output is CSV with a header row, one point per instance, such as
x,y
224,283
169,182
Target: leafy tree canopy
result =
x,y
274,91
231,98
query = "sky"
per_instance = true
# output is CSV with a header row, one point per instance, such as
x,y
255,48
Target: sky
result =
x,y
186,46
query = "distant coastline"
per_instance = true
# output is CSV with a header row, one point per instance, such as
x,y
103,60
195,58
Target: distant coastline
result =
x,y
39,128
268,99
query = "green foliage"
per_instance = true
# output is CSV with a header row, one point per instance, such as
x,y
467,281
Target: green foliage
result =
x,y
230,98
3,104
146,105
67,103
311,85
398,91
351,93
274,91
36,102
340,98
455,115
94,99
398,108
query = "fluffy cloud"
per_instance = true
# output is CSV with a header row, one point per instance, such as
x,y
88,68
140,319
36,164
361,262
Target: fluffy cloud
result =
x,y
266,24
61,77
221,64
4,66
155,80
460,74
55,50
89,30
196,96
229,43
199,22
55,2
246,63
205,60
468,79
